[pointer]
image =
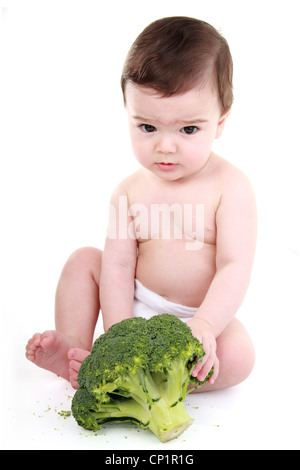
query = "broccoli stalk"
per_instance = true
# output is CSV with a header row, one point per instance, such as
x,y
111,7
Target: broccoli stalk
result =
x,y
166,418
139,371
167,423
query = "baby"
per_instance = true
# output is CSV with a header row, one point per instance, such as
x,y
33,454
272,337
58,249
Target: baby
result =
x,y
182,229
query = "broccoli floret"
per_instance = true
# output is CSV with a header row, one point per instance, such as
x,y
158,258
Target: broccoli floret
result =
x,y
140,371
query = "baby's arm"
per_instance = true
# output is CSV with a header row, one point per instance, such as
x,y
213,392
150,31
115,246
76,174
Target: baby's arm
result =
x,y
118,267
236,222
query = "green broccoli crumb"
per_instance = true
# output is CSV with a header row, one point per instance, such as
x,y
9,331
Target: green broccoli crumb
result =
x,y
64,414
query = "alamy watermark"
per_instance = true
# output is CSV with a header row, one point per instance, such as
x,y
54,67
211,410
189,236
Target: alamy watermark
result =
x,y
158,221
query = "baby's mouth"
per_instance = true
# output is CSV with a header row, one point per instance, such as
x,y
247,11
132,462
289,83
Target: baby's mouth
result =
x,y
166,166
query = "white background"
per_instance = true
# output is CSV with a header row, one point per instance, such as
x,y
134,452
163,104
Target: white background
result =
x,y
63,148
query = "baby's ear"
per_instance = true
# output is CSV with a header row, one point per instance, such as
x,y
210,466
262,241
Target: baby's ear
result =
x,y
221,124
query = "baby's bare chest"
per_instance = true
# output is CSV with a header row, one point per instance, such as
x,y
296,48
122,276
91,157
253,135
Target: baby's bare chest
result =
x,y
169,217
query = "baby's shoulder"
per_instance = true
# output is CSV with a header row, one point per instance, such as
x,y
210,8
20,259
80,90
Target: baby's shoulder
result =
x,y
129,184
229,175
235,187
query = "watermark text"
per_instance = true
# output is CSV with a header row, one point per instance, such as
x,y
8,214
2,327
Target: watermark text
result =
x,y
157,222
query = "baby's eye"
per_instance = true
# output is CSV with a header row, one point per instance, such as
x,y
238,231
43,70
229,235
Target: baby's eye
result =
x,y
148,128
189,130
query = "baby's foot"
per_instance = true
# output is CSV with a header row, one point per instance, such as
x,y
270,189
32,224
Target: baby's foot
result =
x,y
50,351
76,356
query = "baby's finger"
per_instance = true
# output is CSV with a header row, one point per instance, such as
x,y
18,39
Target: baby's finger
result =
x,y
196,369
205,369
214,377
200,365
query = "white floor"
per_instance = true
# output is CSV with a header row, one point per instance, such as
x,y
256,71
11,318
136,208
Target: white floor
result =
x,y
261,413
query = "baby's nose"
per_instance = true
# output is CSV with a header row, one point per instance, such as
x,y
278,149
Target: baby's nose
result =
x,y
166,145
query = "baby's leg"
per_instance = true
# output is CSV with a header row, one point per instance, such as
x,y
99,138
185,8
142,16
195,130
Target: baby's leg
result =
x,y
236,354
77,303
77,308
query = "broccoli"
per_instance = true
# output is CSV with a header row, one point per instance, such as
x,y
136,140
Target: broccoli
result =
x,y
140,371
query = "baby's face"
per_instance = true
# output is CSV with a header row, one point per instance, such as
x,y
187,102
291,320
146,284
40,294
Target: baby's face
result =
x,y
173,137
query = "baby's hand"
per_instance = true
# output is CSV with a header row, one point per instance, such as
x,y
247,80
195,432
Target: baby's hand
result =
x,y
204,333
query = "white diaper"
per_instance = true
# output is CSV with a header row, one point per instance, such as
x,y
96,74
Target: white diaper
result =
x,y
147,304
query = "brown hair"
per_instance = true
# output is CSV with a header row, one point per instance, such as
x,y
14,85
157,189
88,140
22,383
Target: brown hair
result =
x,y
173,55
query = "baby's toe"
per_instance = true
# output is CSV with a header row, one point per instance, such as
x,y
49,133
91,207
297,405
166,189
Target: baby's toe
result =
x,y
75,365
73,381
32,345
78,354
49,339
